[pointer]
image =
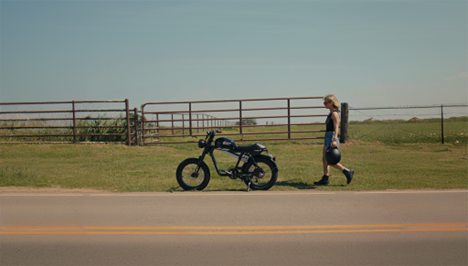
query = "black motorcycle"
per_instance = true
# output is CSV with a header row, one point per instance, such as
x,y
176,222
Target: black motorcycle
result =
x,y
258,171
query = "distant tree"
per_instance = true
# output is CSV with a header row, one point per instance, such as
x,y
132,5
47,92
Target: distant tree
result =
x,y
414,120
247,122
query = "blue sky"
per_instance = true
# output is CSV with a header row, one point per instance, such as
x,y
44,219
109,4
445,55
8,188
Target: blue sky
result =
x,y
368,53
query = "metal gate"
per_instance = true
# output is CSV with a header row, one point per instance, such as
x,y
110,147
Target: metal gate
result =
x,y
68,122
244,120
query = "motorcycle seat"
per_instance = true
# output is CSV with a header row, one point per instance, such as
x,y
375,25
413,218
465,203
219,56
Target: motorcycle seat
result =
x,y
257,147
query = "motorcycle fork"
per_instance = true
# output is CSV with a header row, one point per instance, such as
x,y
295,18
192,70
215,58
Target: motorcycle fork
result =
x,y
201,158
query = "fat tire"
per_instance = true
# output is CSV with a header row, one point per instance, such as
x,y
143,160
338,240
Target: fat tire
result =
x,y
189,165
262,160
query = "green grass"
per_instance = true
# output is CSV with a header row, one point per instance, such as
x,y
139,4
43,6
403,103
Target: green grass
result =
x,y
86,130
400,132
386,155
129,169
387,131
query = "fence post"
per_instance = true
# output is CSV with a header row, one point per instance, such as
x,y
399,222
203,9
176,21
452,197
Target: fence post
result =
x,y
183,126
289,118
157,123
137,141
190,119
74,122
240,118
442,122
143,124
172,123
129,141
344,122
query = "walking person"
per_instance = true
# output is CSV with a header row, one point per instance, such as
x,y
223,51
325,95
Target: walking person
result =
x,y
331,140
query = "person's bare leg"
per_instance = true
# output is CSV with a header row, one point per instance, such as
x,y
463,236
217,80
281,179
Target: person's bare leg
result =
x,y
326,167
338,166
326,170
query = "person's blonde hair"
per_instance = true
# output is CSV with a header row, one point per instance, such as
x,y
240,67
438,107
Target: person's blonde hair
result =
x,y
333,99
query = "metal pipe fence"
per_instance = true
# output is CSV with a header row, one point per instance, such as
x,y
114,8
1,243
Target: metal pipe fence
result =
x,y
244,120
70,124
266,119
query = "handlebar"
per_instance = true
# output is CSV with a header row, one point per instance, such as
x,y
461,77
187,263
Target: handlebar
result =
x,y
210,135
213,132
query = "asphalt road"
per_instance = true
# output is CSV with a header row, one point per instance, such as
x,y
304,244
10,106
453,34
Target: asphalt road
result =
x,y
235,228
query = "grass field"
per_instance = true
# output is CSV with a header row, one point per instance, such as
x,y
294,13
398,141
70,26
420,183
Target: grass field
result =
x,y
123,169
412,131
385,131
385,155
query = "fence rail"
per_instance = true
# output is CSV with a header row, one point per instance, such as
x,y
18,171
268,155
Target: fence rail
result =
x,y
244,120
21,125
25,122
237,117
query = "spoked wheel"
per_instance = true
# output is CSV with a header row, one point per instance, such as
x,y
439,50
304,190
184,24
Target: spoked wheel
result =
x,y
263,177
190,176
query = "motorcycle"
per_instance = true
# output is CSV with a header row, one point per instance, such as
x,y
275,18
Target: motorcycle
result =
x,y
258,171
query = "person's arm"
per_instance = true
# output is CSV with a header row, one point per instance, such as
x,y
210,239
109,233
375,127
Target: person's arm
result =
x,y
336,123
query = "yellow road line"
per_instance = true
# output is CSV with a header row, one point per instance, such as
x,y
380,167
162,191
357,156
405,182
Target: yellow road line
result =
x,y
223,232
215,230
221,227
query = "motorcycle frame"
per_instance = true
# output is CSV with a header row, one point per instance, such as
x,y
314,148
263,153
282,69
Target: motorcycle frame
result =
x,y
209,149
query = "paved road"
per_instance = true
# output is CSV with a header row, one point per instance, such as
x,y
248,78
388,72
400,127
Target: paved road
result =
x,y
235,228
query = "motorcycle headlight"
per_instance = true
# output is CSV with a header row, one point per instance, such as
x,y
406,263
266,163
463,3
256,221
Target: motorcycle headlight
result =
x,y
201,143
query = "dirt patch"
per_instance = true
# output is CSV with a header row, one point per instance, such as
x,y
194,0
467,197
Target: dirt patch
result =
x,y
51,190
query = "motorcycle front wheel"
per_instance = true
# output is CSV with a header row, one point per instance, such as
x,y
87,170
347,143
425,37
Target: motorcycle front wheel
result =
x,y
263,177
189,178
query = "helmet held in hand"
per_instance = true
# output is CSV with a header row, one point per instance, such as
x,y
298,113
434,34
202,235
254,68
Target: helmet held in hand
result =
x,y
333,155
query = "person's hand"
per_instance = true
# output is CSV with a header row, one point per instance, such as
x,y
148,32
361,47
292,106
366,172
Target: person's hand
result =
x,y
333,144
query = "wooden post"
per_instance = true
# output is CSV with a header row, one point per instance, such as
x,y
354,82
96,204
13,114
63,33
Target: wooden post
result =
x,y
344,122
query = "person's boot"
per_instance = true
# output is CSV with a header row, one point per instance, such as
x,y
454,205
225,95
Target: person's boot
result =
x,y
349,175
323,181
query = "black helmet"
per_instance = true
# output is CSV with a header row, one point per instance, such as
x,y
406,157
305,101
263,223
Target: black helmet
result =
x,y
333,155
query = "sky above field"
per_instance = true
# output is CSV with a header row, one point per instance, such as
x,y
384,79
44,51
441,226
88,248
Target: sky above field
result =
x,y
367,53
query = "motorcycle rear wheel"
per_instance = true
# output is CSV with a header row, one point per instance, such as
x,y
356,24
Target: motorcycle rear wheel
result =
x,y
188,179
264,177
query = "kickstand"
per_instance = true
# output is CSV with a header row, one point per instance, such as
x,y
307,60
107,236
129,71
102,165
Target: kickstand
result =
x,y
248,185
